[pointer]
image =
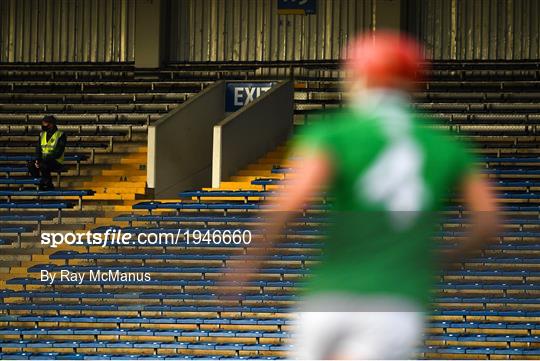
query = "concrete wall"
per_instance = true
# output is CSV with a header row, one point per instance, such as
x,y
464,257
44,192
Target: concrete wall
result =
x,y
182,158
149,32
251,132
388,14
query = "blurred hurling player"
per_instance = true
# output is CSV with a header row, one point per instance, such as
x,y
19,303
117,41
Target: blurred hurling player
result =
x,y
386,173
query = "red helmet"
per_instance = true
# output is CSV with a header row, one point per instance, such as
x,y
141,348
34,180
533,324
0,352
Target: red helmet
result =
x,y
384,59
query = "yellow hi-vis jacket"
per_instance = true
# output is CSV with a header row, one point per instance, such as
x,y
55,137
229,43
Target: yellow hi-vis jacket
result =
x,y
48,146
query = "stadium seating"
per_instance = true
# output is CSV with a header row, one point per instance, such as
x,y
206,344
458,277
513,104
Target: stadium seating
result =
x,y
485,308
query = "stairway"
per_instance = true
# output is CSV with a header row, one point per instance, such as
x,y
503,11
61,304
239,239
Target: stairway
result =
x,y
262,168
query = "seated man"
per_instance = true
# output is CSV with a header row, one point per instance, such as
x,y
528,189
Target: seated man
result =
x,y
49,153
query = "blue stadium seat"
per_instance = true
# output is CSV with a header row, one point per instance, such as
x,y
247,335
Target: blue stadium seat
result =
x,y
20,181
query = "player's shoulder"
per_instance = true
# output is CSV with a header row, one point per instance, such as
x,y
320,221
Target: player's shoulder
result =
x,y
343,119
322,123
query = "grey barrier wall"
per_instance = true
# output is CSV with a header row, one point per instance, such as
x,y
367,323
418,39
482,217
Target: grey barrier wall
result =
x,y
149,33
252,131
179,144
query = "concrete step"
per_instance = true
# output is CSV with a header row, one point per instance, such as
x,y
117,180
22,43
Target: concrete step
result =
x,y
121,208
243,179
111,196
278,152
249,178
97,185
272,160
139,137
130,147
117,157
68,212
101,206
135,171
255,173
65,220
13,262
62,227
25,242
117,178
238,185
259,166
107,220
128,167
134,160
14,250
128,188
123,187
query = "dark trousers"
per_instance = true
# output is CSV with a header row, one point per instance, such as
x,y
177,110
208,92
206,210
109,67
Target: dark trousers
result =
x,y
46,166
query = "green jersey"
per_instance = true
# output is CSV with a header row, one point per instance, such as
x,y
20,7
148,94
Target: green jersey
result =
x,y
391,174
